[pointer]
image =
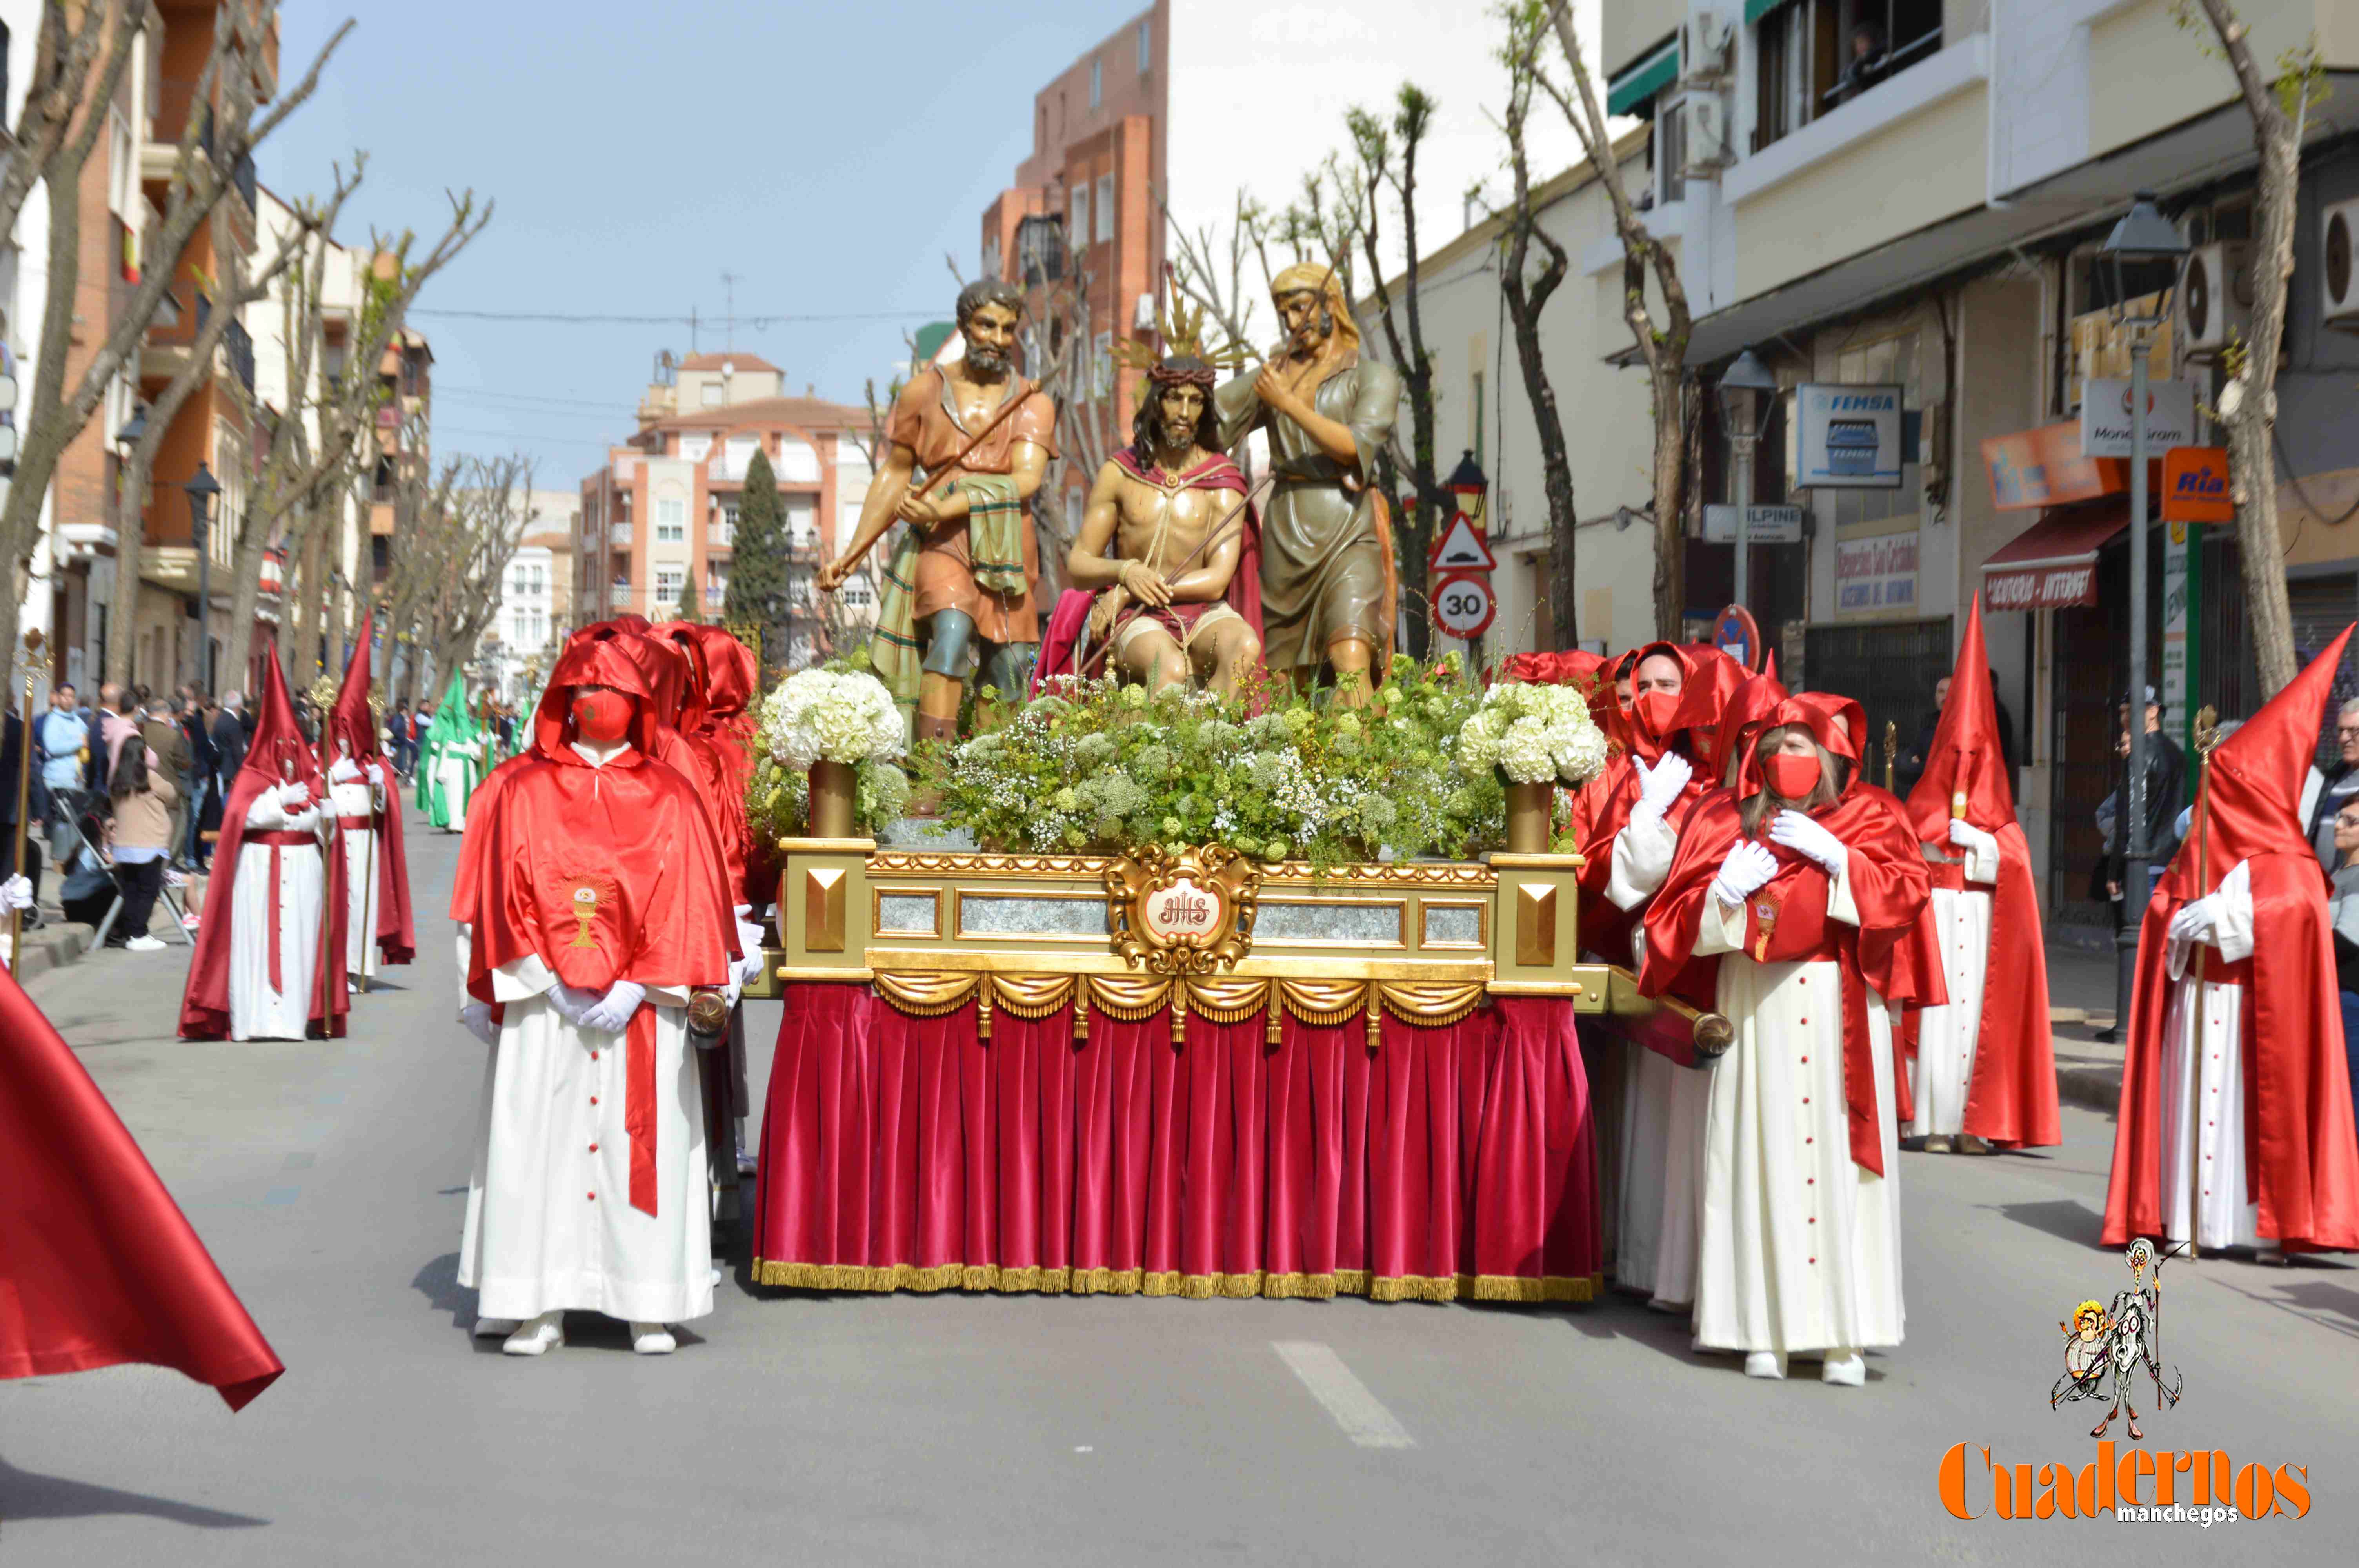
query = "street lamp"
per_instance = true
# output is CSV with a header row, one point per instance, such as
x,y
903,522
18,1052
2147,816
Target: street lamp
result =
x,y
1743,390
2143,257
202,488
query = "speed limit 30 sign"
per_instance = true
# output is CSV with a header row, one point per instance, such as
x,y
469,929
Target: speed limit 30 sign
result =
x,y
1463,605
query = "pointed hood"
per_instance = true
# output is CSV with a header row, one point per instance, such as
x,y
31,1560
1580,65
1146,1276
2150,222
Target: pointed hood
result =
x,y
2251,795
730,675
591,661
351,722
452,720
1742,718
277,751
1713,679
696,682
663,669
1965,758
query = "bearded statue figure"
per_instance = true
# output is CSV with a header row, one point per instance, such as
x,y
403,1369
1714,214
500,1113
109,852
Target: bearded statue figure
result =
x,y
1329,599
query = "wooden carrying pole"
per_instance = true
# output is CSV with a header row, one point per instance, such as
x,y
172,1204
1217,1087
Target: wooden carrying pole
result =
x,y
2207,737
24,797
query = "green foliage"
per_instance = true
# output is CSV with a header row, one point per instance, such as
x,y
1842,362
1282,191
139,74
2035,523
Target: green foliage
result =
x,y
690,611
760,569
1105,768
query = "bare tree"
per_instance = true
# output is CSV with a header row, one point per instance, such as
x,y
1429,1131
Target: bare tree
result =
x,y
460,532
1215,283
1374,142
2249,404
65,116
325,442
1527,297
1661,345
1080,375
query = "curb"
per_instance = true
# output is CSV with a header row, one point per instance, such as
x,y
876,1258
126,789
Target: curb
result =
x,y
53,946
2093,1088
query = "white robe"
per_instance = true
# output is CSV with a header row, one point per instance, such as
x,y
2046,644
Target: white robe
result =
x,y
2204,1168
353,802
256,1011
1799,1248
1663,1106
1941,1073
549,1223
456,773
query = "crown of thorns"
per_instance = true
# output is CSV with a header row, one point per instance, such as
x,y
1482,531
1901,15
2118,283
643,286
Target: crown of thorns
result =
x,y
1180,332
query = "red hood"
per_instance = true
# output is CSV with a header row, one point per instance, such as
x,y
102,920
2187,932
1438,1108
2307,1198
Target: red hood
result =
x,y
591,661
1707,677
1742,718
1965,757
350,722
277,750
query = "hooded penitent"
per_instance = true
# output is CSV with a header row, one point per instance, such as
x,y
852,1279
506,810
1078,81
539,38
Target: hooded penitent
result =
x,y
452,725
2011,1098
277,755
2300,1158
710,718
352,730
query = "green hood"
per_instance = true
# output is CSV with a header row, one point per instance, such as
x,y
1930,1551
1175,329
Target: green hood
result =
x,y
452,720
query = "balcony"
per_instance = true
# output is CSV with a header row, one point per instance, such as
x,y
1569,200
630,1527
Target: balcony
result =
x,y
165,350
619,536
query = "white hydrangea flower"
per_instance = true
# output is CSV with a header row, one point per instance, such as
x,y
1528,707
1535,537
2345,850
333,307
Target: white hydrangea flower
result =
x,y
820,715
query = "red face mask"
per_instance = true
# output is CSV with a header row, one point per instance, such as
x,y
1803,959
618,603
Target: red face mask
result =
x,y
1791,777
601,717
1654,711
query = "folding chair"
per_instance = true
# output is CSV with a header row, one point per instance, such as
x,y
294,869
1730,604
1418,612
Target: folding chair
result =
x,y
89,826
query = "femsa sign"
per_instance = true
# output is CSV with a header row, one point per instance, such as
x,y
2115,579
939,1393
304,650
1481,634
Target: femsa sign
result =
x,y
1846,436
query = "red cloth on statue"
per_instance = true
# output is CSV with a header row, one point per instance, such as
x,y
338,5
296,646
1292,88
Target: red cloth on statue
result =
x,y
98,1266
2011,1093
353,723
909,1153
276,756
1889,884
2301,1154
633,836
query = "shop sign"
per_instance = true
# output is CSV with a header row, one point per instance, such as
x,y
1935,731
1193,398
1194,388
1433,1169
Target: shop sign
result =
x,y
1848,437
2105,429
1877,575
1763,524
2045,467
2041,588
2195,487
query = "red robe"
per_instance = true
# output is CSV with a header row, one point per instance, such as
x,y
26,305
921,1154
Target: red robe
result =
x,y
2301,1154
352,723
277,748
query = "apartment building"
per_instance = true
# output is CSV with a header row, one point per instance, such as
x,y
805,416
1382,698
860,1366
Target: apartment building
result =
x,y
24,283
1912,193
661,513
535,595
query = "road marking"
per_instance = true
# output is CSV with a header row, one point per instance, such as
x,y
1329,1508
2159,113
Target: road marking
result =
x,y
278,1198
1359,1413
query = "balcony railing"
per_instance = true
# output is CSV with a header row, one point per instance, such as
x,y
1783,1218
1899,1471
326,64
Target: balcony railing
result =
x,y
237,347
621,535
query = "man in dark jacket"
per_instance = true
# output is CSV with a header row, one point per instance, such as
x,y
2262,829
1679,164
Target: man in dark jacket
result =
x,y
2166,793
162,733
1912,762
2337,785
196,728
13,762
229,737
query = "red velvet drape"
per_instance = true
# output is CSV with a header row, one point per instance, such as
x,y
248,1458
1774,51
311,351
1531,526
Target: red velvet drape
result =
x,y
1450,1161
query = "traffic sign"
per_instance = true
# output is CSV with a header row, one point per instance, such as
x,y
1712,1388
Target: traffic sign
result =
x,y
1463,604
1736,634
1460,548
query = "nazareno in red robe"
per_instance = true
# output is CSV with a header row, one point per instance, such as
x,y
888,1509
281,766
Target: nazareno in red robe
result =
x,y
1889,884
711,724
275,756
606,874
2302,1154
2011,1095
98,1266
353,725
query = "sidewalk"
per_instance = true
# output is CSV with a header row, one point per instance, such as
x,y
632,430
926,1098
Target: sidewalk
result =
x,y
2081,986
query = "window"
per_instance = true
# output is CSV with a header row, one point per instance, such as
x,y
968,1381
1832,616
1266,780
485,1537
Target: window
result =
x,y
1145,46
1669,149
517,586
741,454
1097,83
709,396
695,445
724,534
1878,38
1077,225
992,258
1474,417
716,587
1106,209
667,581
858,594
1041,250
795,512
672,522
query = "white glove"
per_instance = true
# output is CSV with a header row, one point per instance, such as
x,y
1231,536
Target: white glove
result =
x,y
749,938
573,1005
1745,871
1806,838
611,1013
294,796
17,892
1660,785
2198,922
477,1017
346,771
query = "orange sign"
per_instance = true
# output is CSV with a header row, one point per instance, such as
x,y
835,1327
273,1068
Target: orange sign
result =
x,y
2043,467
2195,485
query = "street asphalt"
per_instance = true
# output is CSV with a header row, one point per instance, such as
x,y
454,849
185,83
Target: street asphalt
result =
x,y
329,1178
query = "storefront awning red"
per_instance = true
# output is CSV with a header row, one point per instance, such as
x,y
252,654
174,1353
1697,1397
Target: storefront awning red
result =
x,y
2053,562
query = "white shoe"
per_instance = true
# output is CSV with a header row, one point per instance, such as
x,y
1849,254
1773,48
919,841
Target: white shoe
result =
x,y
652,1339
1847,1368
143,942
495,1327
1765,1364
351,987
537,1336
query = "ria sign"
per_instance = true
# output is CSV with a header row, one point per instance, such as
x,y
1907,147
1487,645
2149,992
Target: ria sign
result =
x,y
2195,485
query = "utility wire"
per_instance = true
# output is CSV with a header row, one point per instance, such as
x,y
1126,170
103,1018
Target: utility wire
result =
x,y
601,318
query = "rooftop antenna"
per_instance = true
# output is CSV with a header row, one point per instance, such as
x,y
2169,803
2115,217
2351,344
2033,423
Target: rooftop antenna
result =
x,y
729,286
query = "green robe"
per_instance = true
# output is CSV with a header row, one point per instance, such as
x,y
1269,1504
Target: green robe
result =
x,y
452,735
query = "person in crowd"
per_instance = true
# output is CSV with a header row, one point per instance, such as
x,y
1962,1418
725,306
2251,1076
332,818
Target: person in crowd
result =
x,y
398,738
2235,1125
585,899
62,741
139,836
16,761
118,724
2166,786
1984,1071
457,756
160,729
362,793
2334,787
1868,65
269,964
229,739
2345,911
1802,888
1911,765
203,800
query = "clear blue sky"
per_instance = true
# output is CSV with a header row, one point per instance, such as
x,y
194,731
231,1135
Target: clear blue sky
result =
x,y
828,154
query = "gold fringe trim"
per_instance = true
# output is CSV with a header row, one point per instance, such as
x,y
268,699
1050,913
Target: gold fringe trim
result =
x,y
927,995
1134,998
1433,1006
1032,996
1127,998
1515,1288
1227,1000
1324,1003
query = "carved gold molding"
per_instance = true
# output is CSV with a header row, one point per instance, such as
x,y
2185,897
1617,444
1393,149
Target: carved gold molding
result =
x,y
1187,914
1535,925
824,912
1224,999
1451,874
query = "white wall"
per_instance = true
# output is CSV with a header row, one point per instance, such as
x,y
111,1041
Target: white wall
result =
x,y
23,282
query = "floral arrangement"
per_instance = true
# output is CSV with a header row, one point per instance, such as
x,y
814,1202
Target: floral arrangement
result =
x,y
830,715
1099,768
1532,735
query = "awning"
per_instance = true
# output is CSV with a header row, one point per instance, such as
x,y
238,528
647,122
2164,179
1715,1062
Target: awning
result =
x,y
1633,87
1756,9
2053,563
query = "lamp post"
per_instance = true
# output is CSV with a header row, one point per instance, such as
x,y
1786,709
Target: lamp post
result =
x,y
1742,389
2144,257
203,488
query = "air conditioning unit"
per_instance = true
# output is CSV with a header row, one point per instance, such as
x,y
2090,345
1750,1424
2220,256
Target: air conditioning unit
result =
x,y
1142,314
1707,152
1706,47
2215,301
2338,269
